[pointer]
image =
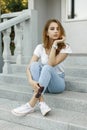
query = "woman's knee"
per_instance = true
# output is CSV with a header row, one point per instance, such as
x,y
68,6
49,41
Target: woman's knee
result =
x,y
34,65
47,68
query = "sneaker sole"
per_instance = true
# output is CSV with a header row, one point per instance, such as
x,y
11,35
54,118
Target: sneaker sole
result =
x,y
21,114
44,114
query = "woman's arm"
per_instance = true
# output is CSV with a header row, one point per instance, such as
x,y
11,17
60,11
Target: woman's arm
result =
x,y
31,81
53,59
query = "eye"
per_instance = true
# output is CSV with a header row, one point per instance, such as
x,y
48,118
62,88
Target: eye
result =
x,y
52,28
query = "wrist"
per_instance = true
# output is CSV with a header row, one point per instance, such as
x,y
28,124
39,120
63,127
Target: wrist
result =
x,y
55,46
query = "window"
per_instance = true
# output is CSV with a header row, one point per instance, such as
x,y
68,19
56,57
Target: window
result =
x,y
76,9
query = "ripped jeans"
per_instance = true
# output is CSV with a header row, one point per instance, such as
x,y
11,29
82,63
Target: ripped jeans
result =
x,y
47,77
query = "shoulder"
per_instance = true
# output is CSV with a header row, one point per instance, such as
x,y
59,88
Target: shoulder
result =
x,y
67,49
39,46
38,50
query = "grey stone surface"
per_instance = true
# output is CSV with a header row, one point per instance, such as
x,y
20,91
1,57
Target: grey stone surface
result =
x,y
77,84
73,83
76,59
4,125
69,109
14,79
76,71
19,68
79,122
70,70
68,100
57,119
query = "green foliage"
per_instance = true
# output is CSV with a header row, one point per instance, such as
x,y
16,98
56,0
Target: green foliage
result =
x,y
13,5
7,6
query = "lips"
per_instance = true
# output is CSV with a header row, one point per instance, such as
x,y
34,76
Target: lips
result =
x,y
56,35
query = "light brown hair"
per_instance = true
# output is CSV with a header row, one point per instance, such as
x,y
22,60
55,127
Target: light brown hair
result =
x,y
46,38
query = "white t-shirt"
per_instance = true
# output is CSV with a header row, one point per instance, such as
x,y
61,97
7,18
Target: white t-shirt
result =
x,y
41,53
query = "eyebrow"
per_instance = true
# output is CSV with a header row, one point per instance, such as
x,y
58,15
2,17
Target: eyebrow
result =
x,y
54,27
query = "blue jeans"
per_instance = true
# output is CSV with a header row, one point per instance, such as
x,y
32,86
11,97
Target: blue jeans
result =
x,y
47,77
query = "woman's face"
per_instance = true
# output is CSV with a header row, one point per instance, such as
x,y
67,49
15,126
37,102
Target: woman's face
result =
x,y
53,31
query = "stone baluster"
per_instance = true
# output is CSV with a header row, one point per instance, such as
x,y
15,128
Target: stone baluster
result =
x,y
18,44
6,52
1,59
15,40
16,37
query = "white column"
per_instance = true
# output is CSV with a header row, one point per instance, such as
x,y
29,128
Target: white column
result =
x,y
18,44
30,36
31,4
6,51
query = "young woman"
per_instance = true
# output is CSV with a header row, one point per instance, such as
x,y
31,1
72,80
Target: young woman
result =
x,y
45,71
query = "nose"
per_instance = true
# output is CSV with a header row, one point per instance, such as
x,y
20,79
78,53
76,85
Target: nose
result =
x,y
56,30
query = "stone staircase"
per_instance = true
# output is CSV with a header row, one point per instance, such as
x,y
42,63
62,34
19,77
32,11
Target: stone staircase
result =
x,y
69,109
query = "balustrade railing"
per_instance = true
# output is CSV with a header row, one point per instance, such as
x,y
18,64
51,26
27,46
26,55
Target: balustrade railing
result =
x,y
24,25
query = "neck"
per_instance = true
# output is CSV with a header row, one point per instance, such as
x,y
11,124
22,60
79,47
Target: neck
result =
x,y
50,42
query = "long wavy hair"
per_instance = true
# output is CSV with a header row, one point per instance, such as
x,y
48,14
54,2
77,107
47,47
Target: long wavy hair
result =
x,y
46,38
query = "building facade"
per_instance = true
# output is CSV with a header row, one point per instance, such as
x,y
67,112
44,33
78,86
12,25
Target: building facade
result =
x,y
66,11
75,28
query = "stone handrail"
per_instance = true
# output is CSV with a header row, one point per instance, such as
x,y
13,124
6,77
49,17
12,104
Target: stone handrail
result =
x,y
24,23
19,19
11,15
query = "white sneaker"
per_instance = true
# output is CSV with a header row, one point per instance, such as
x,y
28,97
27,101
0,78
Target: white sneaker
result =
x,y
23,110
44,108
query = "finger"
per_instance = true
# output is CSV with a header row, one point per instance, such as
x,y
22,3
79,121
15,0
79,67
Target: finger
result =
x,y
37,85
63,38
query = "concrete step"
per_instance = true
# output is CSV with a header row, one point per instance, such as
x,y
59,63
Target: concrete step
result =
x,y
16,87
18,79
76,59
76,84
6,125
70,70
57,119
67,100
18,68
15,92
76,71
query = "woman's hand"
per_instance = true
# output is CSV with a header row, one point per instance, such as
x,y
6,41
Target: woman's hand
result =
x,y
59,41
34,84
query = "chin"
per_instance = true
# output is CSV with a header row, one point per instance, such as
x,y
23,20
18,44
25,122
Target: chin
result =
x,y
55,38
